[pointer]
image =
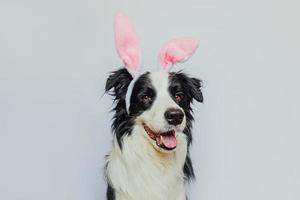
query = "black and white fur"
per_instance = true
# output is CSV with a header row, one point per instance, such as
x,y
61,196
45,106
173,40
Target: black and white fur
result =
x,y
136,167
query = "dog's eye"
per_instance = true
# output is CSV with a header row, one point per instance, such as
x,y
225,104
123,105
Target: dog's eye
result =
x,y
178,97
146,98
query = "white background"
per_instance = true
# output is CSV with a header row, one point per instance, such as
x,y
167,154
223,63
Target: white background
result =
x,y
55,124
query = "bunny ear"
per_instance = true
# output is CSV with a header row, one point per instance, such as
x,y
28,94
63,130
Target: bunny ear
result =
x,y
177,50
127,43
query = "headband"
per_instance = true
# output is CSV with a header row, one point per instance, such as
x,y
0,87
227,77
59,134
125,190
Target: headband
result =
x,y
127,44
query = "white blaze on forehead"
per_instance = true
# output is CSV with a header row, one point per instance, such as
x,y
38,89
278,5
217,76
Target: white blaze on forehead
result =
x,y
160,81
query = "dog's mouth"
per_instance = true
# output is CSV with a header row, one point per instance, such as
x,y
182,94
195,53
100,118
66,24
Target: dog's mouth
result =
x,y
166,140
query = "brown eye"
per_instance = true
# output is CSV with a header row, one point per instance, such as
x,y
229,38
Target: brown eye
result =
x,y
146,98
178,98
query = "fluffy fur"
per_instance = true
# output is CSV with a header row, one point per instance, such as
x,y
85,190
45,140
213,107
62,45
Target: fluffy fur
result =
x,y
137,168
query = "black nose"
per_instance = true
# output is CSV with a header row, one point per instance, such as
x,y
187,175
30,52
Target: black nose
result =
x,y
174,116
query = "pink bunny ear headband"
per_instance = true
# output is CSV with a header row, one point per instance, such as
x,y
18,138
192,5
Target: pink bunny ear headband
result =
x,y
127,44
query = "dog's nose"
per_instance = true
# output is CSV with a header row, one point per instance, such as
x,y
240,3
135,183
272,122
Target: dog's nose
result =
x,y
174,116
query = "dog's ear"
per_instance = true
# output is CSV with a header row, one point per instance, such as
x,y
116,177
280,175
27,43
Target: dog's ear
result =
x,y
117,83
195,89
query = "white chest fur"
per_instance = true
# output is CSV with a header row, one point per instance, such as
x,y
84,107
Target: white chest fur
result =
x,y
139,172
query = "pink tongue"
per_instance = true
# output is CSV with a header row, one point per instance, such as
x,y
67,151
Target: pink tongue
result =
x,y
169,141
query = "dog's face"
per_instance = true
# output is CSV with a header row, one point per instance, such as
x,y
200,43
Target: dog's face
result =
x,y
160,105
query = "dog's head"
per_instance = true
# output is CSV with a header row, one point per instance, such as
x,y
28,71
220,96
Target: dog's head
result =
x,y
158,103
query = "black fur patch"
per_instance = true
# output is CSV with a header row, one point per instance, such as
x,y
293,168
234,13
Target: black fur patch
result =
x,y
110,193
189,89
116,85
143,95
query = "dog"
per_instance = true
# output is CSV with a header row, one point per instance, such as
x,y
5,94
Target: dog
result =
x,y
149,158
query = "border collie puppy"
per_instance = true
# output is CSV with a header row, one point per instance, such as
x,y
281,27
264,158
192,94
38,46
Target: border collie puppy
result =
x,y
149,159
